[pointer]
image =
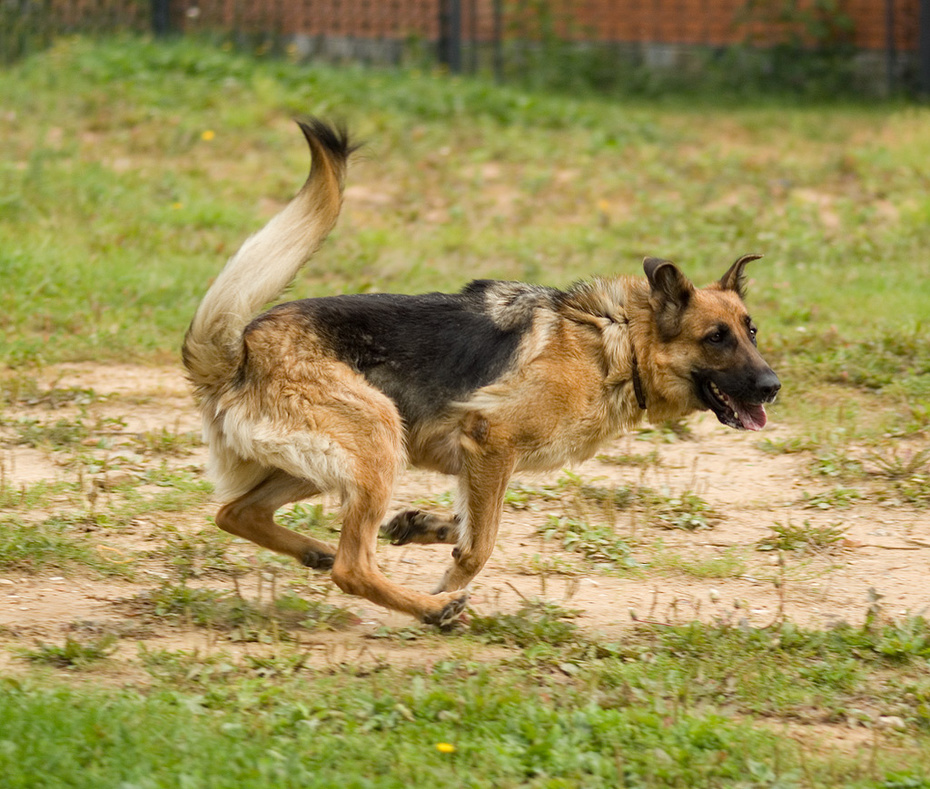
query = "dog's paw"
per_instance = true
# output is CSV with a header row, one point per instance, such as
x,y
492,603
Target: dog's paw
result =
x,y
450,614
406,527
420,527
317,560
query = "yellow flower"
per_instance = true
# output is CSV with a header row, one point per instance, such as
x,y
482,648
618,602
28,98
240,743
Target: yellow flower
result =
x,y
445,747
177,206
208,135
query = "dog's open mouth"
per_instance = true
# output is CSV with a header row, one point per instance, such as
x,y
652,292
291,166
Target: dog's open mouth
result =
x,y
732,412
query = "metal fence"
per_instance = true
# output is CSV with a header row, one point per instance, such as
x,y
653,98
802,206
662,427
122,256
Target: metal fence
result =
x,y
878,45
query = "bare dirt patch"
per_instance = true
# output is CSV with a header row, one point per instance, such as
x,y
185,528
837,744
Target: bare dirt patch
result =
x,y
674,575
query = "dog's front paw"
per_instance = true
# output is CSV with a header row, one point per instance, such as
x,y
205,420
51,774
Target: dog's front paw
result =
x,y
450,614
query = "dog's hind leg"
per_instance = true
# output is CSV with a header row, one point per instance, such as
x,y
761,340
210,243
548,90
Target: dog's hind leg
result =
x,y
251,516
355,570
483,485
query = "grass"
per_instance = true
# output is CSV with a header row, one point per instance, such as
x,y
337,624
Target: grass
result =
x,y
131,169
834,210
73,653
598,544
667,707
55,543
804,538
727,565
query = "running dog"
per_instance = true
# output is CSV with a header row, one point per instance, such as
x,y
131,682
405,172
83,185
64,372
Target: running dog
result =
x,y
339,393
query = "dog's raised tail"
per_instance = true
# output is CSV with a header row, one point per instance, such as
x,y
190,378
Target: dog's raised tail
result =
x,y
268,261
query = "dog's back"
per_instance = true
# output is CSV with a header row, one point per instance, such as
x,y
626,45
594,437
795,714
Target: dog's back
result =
x,y
424,352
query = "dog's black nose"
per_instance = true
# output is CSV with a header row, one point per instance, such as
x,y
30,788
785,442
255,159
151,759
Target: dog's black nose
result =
x,y
767,385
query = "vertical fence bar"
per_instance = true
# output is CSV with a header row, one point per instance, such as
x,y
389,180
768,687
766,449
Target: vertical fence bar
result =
x,y
473,36
891,59
450,34
498,44
923,49
161,17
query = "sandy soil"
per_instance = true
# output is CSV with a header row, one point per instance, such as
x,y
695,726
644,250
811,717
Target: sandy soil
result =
x,y
885,544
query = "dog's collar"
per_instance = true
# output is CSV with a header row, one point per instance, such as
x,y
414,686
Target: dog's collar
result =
x,y
634,371
638,385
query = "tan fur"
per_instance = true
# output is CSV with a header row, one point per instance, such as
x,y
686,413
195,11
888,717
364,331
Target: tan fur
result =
x,y
299,422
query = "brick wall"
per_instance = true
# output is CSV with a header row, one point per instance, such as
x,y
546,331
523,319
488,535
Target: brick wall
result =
x,y
709,22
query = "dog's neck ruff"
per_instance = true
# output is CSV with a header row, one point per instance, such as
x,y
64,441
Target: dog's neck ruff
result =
x,y
638,384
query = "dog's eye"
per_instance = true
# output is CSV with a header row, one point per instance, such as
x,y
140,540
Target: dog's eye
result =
x,y
716,337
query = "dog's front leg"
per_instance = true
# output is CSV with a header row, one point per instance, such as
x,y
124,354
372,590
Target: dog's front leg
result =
x,y
483,483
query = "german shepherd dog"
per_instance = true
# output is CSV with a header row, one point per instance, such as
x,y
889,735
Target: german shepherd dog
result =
x,y
338,393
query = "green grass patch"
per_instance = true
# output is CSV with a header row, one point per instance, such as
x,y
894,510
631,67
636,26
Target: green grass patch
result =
x,y
57,542
727,565
73,653
38,494
598,544
121,221
804,538
672,706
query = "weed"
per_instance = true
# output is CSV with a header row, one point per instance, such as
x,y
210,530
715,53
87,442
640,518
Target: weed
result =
x,y
535,564
599,545
445,500
915,490
175,490
73,653
538,622
53,543
896,464
569,489
61,434
838,465
191,555
727,565
636,460
311,518
167,442
669,432
791,445
620,498
24,388
685,510
30,497
804,538
905,472
520,496
838,498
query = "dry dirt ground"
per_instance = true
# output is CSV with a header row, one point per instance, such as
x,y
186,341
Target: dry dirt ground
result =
x,y
884,545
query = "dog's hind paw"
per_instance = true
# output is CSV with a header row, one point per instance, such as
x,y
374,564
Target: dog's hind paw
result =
x,y
420,527
317,560
450,614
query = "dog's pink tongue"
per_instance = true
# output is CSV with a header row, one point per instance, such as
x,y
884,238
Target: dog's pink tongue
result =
x,y
752,417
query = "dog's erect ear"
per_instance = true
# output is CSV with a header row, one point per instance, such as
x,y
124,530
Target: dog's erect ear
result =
x,y
734,279
671,294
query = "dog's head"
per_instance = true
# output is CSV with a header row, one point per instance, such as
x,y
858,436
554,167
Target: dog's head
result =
x,y
708,344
